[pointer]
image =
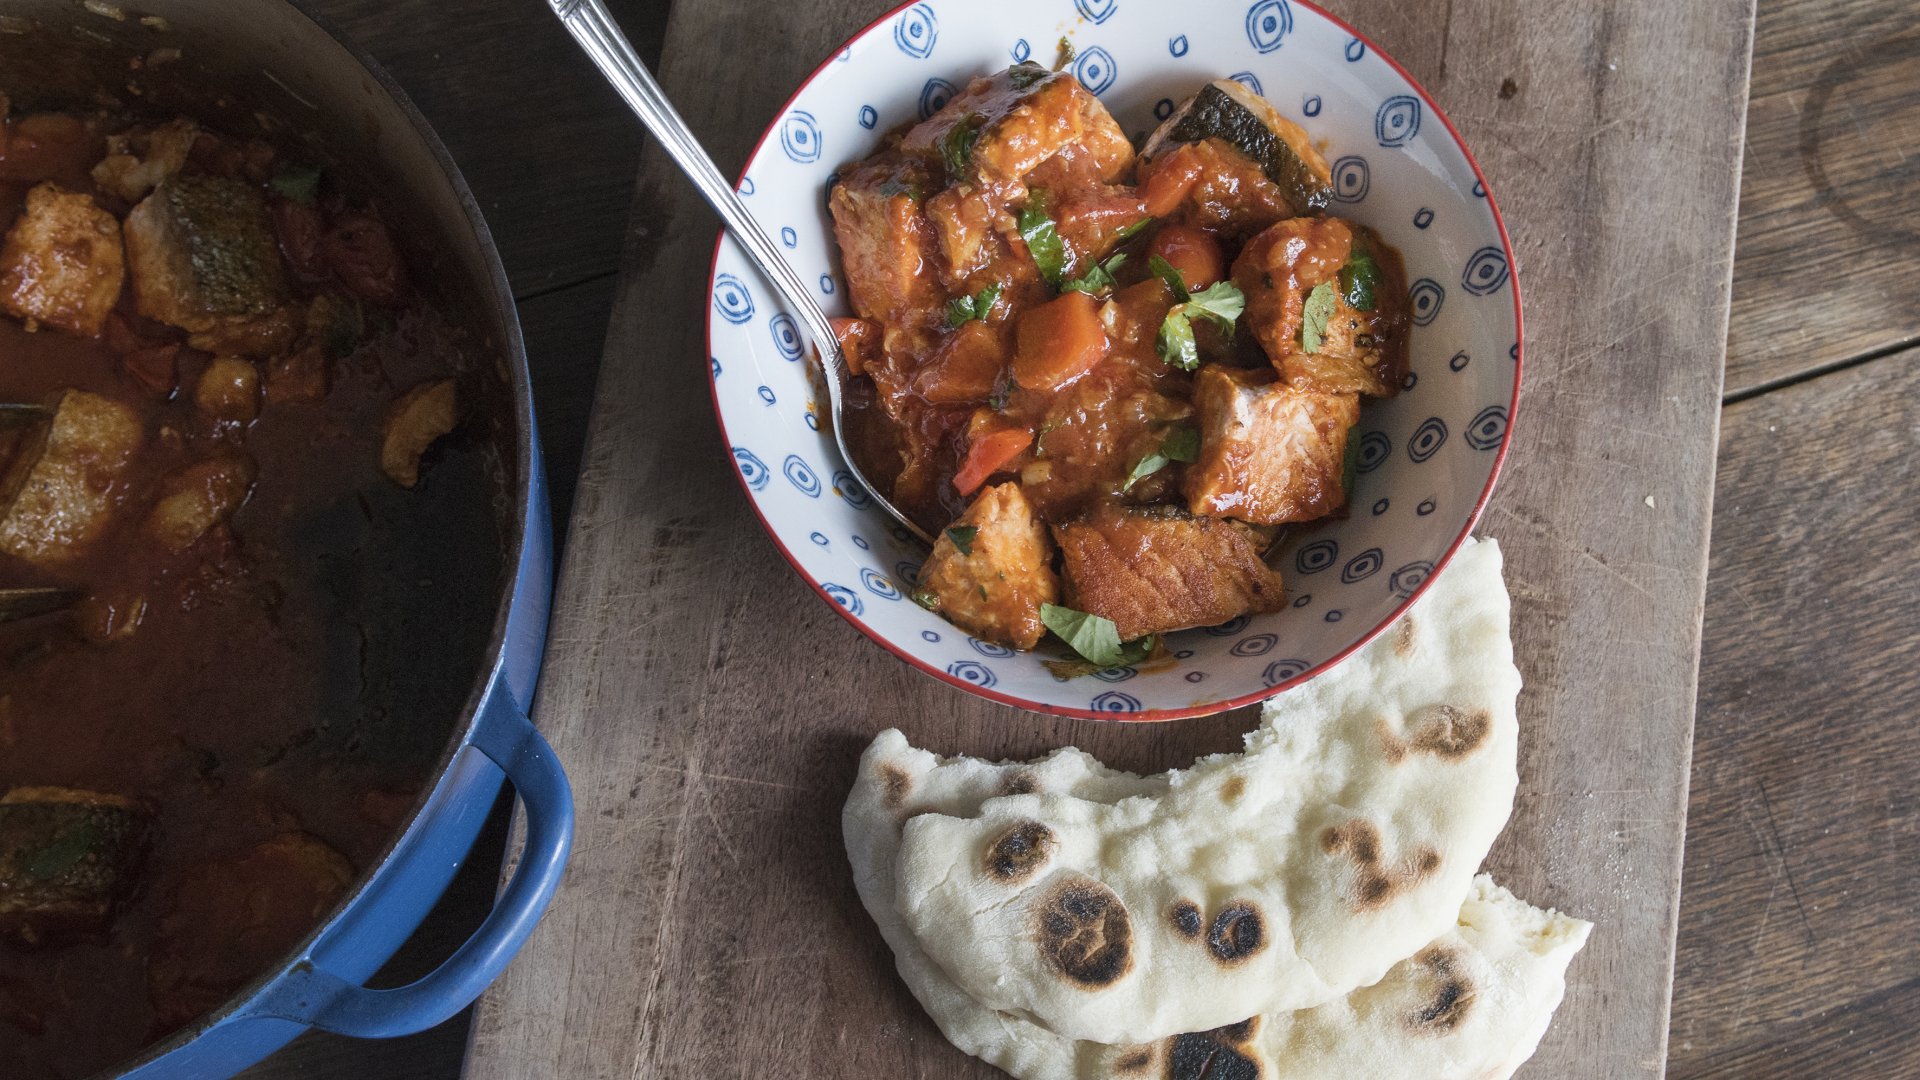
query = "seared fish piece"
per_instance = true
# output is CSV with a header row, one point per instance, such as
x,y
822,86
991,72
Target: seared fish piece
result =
x,y
1269,453
991,570
62,264
204,259
1159,569
1226,114
66,858
61,492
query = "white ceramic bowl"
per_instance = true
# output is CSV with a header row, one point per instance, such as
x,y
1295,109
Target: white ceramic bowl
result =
x,y
1428,457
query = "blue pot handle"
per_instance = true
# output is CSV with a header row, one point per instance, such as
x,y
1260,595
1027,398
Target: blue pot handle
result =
x,y
324,1000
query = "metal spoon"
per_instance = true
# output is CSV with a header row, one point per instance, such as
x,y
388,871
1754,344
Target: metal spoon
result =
x,y
597,33
26,603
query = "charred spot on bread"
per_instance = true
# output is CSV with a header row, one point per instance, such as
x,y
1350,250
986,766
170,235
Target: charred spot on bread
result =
x,y
1136,1060
1085,933
1210,1055
1376,882
1019,782
1186,919
895,785
1019,852
1451,999
1237,933
1448,732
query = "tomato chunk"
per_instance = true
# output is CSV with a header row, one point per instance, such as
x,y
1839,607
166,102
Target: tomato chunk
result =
x,y
1169,178
966,369
988,455
1059,341
1191,251
856,336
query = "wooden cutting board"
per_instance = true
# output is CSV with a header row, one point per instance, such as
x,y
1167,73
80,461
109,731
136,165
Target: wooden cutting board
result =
x,y
711,709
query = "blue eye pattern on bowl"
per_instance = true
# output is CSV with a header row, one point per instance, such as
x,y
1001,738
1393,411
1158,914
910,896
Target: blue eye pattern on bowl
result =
x,y
1423,457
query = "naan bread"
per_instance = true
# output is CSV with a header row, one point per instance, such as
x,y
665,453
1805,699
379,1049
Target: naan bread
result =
x,y
1343,840
1472,1005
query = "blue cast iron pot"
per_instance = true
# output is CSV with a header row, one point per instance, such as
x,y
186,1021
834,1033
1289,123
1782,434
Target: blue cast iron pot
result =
x,y
240,60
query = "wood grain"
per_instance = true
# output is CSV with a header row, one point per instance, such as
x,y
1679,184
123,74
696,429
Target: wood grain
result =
x,y
1830,204
1800,932
711,709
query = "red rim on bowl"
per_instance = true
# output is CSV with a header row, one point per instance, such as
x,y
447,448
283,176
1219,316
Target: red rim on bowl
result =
x,y
1156,715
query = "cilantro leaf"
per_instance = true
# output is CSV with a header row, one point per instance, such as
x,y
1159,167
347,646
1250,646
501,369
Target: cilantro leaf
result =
x,y
1181,443
1313,319
1222,302
961,309
1097,280
962,537
1359,280
1043,240
1176,344
1170,274
927,598
1132,230
300,185
1094,637
956,146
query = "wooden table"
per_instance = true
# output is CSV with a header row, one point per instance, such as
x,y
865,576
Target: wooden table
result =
x,y
1797,948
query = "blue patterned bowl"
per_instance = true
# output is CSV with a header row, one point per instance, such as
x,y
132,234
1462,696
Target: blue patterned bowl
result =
x,y
1428,457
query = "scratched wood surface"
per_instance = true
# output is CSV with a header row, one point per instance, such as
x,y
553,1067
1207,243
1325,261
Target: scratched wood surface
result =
x,y
1830,202
711,709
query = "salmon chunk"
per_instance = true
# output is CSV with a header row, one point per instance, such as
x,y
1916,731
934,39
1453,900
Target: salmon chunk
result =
x,y
1269,453
204,259
60,493
66,859
1158,569
991,570
142,159
62,264
887,245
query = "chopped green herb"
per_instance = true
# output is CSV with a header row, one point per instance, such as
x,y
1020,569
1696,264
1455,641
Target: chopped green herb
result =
x,y
1359,280
1067,54
1040,437
956,146
927,598
962,537
1094,637
983,592
1001,393
1024,74
301,185
1313,319
1176,344
1170,274
1220,303
1181,443
962,309
63,853
1132,230
1043,239
1097,280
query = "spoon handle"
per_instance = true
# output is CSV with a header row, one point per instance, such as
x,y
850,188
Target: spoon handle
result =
x,y
591,25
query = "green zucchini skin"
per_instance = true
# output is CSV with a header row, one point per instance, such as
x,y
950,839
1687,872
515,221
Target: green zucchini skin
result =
x,y
1214,114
